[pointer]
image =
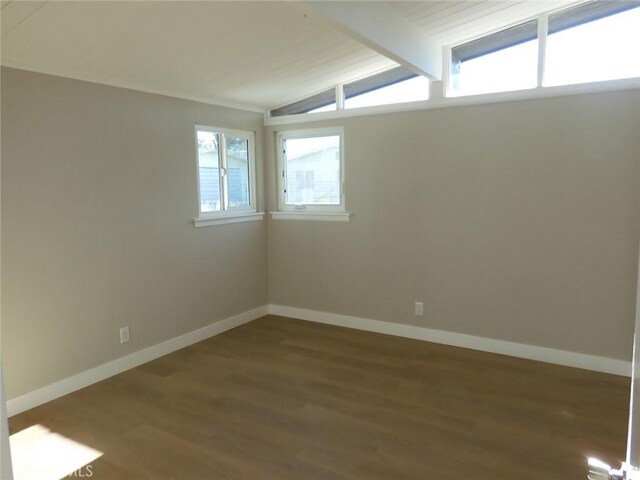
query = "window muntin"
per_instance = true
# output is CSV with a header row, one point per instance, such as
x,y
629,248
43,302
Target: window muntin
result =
x,y
598,49
311,170
501,62
226,171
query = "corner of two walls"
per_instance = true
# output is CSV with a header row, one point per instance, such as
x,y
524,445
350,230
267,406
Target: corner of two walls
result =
x,y
515,221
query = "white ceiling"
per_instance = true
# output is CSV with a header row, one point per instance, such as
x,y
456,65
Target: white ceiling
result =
x,y
451,22
256,55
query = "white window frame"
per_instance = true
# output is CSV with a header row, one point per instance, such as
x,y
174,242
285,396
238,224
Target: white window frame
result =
x,y
308,211
227,214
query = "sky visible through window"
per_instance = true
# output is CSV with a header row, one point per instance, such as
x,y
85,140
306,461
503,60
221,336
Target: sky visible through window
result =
x,y
411,90
605,49
513,68
326,108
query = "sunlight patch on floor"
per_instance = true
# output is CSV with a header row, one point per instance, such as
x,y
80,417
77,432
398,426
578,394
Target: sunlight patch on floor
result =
x,y
40,454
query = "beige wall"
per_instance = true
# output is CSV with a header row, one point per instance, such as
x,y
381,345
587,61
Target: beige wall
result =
x,y
516,221
98,193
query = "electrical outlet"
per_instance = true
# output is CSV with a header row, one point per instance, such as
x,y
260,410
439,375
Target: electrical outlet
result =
x,y
419,309
124,334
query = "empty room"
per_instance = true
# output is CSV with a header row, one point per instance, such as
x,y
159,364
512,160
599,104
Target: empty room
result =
x,y
295,240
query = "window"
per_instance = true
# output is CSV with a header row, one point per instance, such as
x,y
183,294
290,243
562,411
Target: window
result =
x,y
503,61
398,85
320,102
326,108
226,176
592,42
311,172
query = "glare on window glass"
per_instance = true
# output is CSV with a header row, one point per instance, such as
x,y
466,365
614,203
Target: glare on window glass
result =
x,y
238,171
326,108
512,68
604,49
208,171
411,90
313,171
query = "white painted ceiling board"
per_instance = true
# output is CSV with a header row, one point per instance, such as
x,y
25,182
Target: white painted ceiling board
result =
x,y
453,22
248,53
383,29
255,55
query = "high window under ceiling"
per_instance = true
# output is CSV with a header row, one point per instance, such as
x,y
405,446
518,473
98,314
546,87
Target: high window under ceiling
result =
x,y
504,61
593,41
397,85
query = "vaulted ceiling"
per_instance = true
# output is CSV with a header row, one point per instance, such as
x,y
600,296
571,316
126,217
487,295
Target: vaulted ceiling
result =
x,y
254,55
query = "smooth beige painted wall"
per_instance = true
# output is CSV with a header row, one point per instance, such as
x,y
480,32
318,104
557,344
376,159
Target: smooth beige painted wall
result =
x,y
98,193
517,221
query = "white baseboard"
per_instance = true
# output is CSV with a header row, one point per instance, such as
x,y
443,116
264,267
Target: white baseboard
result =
x,y
76,382
89,377
521,350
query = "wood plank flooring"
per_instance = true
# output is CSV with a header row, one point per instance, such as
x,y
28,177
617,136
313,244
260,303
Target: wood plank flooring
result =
x,y
287,399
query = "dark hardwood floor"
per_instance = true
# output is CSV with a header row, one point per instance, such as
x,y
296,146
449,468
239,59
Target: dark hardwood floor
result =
x,y
287,399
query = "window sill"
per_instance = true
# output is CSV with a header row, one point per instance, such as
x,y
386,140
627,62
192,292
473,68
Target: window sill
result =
x,y
224,219
317,216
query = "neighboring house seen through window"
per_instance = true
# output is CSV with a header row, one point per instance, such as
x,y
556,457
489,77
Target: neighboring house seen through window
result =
x,y
311,173
226,172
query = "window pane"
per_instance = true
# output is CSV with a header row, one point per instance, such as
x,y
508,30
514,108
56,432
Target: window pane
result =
x,y
512,68
313,171
503,61
238,171
209,172
326,108
314,103
411,90
603,49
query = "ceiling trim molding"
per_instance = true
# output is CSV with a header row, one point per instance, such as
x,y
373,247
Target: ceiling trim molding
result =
x,y
381,28
113,82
